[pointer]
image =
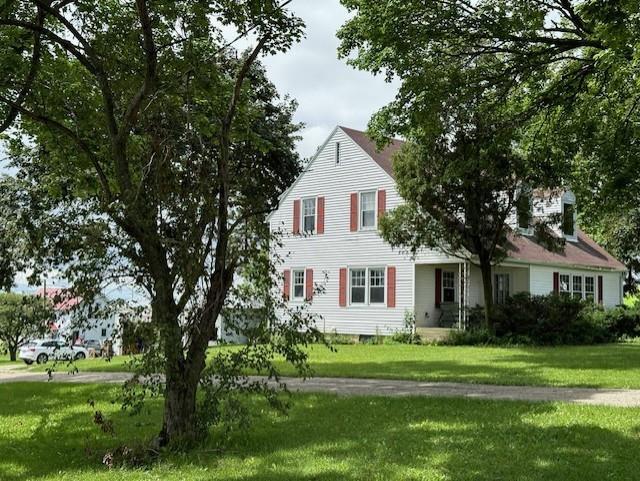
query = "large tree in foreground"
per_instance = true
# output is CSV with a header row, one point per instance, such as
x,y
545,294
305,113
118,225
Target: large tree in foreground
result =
x,y
158,150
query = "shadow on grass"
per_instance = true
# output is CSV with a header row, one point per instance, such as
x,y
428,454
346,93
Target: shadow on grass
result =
x,y
46,429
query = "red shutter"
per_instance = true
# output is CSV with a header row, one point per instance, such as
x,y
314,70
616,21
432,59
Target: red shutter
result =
x,y
296,216
309,284
438,287
320,228
343,287
354,212
600,290
382,203
286,289
391,286
556,282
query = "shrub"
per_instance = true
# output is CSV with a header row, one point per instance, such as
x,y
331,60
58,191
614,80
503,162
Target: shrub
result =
x,y
550,320
340,339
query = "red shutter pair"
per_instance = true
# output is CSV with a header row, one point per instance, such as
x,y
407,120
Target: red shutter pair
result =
x,y
319,216
308,288
353,210
391,287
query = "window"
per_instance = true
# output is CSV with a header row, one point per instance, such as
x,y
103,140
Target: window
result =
x,y
565,288
337,153
104,333
298,284
568,226
376,286
367,210
358,286
524,210
502,288
448,286
589,288
577,287
309,215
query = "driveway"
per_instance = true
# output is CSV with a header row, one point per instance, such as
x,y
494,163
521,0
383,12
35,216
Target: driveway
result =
x,y
380,387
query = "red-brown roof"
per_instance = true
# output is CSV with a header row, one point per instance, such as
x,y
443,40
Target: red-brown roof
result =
x,y
61,298
584,252
381,157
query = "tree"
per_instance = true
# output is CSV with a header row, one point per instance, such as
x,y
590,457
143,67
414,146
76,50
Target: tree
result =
x,y
568,68
22,317
460,188
158,150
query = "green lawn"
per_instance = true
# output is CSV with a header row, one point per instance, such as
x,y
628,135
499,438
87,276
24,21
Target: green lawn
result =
x,y
46,433
614,365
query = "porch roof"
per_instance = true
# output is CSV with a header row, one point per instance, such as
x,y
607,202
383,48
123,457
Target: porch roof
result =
x,y
583,252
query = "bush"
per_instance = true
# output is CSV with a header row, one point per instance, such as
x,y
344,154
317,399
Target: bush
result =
x,y
550,320
340,339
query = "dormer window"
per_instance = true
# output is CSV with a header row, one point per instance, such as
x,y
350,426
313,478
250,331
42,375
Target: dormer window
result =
x,y
337,153
524,209
568,219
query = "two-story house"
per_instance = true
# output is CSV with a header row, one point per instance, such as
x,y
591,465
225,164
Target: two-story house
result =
x,y
329,220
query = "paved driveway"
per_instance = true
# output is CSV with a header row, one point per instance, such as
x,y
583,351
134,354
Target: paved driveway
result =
x,y
379,387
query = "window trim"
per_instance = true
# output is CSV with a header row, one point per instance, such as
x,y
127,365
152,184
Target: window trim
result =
x,y
315,215
375,210
367,286
583,285
384,284
442,289
293,284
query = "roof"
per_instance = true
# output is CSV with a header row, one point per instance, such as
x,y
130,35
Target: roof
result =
x,y
381,157
62,298
583,252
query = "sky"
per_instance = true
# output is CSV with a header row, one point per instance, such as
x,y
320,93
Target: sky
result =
x,y
328,91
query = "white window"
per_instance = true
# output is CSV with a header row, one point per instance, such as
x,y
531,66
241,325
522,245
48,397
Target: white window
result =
x,y
448,286
589,288
337,153
309,215
568,219
577,287
367,210
565,287
376,285
298,284
358,286
502,288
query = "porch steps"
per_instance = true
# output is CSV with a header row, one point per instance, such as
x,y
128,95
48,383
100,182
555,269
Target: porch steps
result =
x,y
433,333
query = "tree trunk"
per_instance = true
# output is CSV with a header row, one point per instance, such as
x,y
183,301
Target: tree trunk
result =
x,y
13,350
487,287
179,423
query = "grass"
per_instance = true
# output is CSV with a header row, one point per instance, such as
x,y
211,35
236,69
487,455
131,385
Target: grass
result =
x,y
46,433
610,366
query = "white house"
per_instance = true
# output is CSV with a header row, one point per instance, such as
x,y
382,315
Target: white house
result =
x,y
329,219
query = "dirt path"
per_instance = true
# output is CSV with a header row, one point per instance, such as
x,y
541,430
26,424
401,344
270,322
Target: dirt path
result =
x,y
380,387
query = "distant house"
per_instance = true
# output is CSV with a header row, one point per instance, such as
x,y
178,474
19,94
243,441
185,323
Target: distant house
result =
x,y
329,218
76,320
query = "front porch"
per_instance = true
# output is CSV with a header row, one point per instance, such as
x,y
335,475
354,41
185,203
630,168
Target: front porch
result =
x,y
443,293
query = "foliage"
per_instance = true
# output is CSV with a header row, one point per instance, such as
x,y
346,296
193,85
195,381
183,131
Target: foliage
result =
x,y
22,317
408,334
567,70
552,320
148,149
334,338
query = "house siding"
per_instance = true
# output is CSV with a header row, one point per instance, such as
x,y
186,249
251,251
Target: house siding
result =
x,y
338,247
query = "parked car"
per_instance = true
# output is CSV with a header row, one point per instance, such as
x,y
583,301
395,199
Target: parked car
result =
x,y
93,344
41,350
